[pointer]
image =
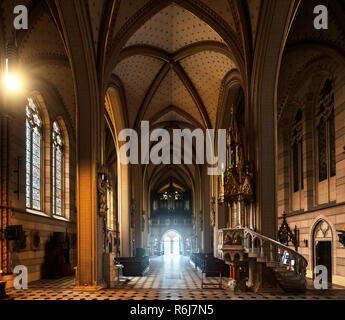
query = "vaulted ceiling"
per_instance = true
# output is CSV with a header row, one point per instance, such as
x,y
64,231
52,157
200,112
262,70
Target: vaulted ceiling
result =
x,y
172,78
172,66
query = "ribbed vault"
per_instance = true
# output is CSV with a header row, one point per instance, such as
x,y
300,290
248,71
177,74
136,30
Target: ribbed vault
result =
x,y
172,69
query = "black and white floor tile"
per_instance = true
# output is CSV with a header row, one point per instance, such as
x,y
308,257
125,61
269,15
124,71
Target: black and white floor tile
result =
x,y
169,278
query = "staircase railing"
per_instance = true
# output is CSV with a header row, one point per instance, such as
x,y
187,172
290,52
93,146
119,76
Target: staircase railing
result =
x,y
264,249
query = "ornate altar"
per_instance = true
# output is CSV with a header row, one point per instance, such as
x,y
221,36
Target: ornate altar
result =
x,y
240,246
236,191
236,184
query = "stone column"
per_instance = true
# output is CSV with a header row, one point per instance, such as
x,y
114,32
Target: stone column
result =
x,y
125,212
86,204
272,33
283,189
206,213
234,214
137,197
90,106
251,270
221,216
228,209
197,211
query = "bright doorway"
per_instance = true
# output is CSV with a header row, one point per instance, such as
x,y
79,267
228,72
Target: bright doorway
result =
x,y
171,243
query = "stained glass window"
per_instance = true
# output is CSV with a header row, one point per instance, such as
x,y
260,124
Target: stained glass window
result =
x,y
33,156
57,170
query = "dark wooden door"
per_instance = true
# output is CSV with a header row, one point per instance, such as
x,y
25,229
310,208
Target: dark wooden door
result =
x,y
324,256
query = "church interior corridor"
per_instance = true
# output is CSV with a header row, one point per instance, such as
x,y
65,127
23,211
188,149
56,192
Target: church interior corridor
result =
x,y
172,150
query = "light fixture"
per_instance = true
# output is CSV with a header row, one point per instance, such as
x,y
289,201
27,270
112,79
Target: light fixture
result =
x,y
171,193
341,236
11,79
12,82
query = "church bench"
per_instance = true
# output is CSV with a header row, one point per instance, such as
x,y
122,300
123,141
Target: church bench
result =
x,y
210,265
134,266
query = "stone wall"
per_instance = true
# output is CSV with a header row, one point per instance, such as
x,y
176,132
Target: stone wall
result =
x,y
38,224
316,201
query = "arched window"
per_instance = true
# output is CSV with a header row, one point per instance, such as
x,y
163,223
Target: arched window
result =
x,y
33,156
57,170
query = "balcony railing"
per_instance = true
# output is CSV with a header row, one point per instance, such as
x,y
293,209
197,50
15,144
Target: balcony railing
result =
x,y
241,243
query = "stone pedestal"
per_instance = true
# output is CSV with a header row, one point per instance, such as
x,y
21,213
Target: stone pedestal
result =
x,y
108,270
265,280
237,282
251,271
237,285
111,272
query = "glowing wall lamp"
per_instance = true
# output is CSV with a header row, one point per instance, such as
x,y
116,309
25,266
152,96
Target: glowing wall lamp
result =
x,y
341,236
11,80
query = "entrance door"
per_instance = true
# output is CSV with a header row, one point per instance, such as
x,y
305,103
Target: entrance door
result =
x,y
171,243
324,256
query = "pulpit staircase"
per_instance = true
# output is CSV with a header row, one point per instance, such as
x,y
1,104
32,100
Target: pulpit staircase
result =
x,y
242,244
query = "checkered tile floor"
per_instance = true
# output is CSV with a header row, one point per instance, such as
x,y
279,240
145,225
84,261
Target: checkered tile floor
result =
x,y
168,279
